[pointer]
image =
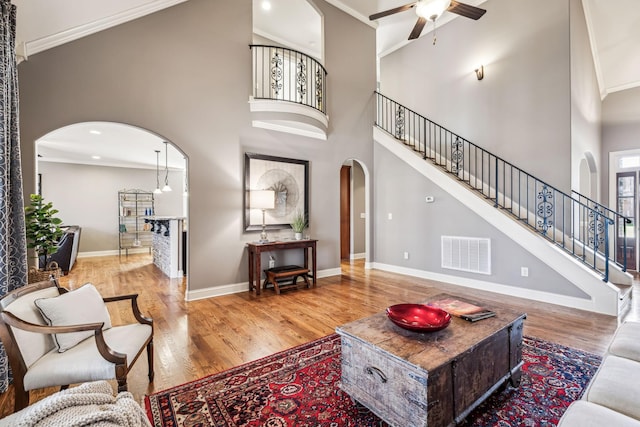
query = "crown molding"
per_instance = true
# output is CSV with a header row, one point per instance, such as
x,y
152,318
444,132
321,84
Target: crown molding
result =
x,y
75,33
351,11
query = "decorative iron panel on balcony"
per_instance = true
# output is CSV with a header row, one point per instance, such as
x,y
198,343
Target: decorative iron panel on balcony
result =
x,y
283,74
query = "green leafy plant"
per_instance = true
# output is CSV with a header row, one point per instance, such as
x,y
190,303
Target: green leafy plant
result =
x,y
298,222
42,227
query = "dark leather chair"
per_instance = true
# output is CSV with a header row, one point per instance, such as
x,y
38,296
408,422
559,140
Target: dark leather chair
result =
x,y
67,251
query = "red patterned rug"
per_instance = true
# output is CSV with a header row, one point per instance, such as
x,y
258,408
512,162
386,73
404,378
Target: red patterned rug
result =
x,y
299,387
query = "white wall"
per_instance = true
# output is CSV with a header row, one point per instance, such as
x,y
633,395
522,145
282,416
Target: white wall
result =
x,y
586,107
620,128
88,196
521,110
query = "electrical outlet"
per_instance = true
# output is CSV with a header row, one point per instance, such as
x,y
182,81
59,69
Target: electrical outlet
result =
x,y
272,261
406,255
524,271
390,215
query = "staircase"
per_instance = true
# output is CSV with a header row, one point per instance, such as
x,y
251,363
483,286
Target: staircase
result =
x,y
572,234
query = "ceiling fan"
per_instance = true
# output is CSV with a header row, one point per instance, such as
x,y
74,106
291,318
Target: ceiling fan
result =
x,y
430,10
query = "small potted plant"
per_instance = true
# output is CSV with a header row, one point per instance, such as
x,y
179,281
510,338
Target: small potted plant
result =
x,y
298,224
43,233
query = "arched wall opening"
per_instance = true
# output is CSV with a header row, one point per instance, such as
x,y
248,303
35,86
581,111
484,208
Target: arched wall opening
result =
x,y
82,167
355,240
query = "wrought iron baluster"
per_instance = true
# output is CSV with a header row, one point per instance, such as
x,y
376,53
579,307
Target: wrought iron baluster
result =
x,y
544,209
399,127
276,73
301,79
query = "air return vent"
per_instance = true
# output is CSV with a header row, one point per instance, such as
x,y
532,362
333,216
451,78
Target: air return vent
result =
x,y
466,254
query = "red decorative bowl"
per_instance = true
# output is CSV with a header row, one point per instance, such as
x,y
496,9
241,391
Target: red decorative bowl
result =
x,y
418,317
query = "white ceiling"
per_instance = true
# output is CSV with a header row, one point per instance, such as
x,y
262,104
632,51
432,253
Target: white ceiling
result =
x,y
116,145
614,27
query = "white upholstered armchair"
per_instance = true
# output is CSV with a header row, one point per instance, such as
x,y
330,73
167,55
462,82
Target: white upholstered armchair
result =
x,y
56,337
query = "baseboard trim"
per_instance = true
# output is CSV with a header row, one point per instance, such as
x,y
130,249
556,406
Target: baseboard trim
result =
x,y
573,302
236,288
358,256
115,252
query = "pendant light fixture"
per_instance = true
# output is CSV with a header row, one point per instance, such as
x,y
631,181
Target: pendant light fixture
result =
x,y
166,168
157,190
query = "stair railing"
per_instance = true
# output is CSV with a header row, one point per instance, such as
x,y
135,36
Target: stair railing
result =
x,y
283,74
619,238
571,224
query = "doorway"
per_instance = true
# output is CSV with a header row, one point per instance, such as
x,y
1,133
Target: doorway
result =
x,y
86,168
624,196
354,221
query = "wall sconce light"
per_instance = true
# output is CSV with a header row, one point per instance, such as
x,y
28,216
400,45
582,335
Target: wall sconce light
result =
x,y
157,190
262,199
166,168
480,72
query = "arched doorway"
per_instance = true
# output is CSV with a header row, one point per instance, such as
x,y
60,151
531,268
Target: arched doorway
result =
x,y
354,211
83,168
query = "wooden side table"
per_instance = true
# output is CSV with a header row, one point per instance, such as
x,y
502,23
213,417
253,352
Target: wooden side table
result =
x,y
255,263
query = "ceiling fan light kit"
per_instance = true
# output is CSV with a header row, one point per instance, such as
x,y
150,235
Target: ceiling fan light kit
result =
x,y
431,10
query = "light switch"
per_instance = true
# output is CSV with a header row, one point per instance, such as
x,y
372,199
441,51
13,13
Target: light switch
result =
x,y
390,215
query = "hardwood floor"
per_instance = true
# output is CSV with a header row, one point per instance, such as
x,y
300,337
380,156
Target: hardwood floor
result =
x,y
197,338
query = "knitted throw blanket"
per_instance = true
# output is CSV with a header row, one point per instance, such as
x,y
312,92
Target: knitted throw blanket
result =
x,y
89,404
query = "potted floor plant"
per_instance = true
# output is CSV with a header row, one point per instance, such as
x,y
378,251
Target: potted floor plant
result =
x,y
43,233
298,224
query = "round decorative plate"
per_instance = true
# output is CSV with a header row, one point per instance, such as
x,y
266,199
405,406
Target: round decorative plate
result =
x,y
418,317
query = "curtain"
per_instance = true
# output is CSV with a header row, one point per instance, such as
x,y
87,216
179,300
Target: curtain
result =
x,y
13,246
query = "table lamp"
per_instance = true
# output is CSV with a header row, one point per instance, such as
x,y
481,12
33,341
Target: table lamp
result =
x,y
262,199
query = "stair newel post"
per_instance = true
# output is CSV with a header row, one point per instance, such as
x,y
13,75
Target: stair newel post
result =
x,y
624,244
606,250
496,204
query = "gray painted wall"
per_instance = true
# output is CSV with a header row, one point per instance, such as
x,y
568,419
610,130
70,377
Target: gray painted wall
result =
x,y
521,109
620,128
185,74
586,107
88,196
416,227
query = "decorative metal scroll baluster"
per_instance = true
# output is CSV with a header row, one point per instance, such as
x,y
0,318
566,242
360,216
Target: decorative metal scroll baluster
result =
x,y
319,85
457,156
544,209
596,228
276,74
400,123
301,79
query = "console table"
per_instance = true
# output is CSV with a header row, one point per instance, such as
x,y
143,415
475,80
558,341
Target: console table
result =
x,y
255,263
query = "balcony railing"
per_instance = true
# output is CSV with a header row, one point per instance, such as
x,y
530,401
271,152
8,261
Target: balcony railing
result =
x,y
574,225
283,74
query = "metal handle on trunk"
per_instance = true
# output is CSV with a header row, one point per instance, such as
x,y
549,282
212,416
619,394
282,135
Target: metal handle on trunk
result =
x,y
371,370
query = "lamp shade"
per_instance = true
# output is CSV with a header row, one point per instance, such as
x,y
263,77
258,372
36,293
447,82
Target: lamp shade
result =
x,y
262,199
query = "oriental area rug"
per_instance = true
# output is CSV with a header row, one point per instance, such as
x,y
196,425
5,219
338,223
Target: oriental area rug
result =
x,y
299,388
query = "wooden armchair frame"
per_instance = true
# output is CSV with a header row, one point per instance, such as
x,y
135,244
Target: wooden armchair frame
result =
x,y
16,359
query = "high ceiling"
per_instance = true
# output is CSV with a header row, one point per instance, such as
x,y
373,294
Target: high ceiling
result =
x,y
614,27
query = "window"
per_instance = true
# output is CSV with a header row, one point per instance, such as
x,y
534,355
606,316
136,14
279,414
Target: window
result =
x,y
629,162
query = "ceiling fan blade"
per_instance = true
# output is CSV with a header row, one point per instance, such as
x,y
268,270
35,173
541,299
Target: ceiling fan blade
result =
x,y
392,11
466,10
415,33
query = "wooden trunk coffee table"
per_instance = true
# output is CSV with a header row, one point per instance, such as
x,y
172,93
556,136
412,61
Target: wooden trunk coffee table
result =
x,y
430,378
